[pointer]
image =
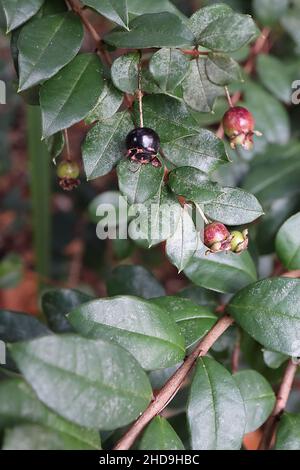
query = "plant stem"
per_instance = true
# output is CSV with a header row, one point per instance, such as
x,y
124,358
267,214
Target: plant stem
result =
x,y
67,141
281,401
140,92
206,221
235,359
228,97
40,191
171,387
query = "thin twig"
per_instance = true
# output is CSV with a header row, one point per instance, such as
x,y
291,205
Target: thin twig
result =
x,y
139,92
66,135
235,358
102,52
206,221
292,274
169,390
193,52
281,401
228,97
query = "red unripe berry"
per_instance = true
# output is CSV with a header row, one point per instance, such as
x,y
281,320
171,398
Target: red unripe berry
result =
x,y
238,124
217,237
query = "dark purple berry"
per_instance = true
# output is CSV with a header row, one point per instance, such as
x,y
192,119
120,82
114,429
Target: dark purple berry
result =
x,y
143,138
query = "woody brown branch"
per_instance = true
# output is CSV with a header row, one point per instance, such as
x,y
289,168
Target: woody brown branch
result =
x,y
171,387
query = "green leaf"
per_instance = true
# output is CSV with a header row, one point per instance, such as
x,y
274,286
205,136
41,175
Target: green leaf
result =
x,y
136,7
181,246
152,30
99,398
124,72
221,272
56,303
288,433
288,243
104,145
17,326
271,117
141,327
168,68
200,296
269,311
274,359
233,206
157,219
39,43
11,271
55,145
192,184
269,11
198,91
222,69
36,437
139,182
68,96
107,105
159,435
258,396
204,151
281,182
193,320
18,12
218,28
169,117
134,280
274,76
114,10
290,22
215,411
24,407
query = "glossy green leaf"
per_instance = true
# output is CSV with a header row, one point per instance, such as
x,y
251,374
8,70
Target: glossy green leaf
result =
x,y
38,45
107,105
152,30
114,386
124,72
288,432
55,145
222,69
290,22
168,68
193,320
274,359
36,437
269,11
198,91
56,303
104,145
281,182
11,271
136,7
24,407
274,76
221,272
143,328
288,243
114,10
139,182
258,396
157,219
68,96
17,326
204,151
18,12
269,311
233,206
181,246
134,280
200,296
215,410
159,435
271,117
218,28
169,117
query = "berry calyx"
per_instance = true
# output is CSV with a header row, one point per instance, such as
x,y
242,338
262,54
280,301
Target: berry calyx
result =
x,y
143,138
239,241
217,237
68,173
239,124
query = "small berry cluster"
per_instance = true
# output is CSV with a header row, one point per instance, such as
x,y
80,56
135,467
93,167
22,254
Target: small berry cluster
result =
x,y
218,238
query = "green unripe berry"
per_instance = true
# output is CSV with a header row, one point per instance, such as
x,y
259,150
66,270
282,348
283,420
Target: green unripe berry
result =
x,y
69,170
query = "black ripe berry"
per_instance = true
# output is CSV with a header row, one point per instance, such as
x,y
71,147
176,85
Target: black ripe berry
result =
x,y
142,146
